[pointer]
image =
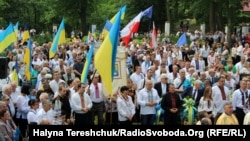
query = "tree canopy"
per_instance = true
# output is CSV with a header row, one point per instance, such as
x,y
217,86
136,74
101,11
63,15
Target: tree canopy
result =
x,y
79,15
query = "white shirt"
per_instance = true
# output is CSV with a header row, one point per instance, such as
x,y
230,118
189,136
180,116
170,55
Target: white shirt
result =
x,y
217,97
163,88
247,119
14,95
41,114
31,117
171,77
200,63
239,50
237,98
38,62
204,52
177,83
55,85
136,78
125,108
144,97
22,106
145,65
77,105
93,93
239,66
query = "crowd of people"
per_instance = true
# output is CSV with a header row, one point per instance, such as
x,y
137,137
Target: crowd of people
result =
x,y
209,72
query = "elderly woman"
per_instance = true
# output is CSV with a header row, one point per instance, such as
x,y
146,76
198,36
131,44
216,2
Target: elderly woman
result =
x,y
6,131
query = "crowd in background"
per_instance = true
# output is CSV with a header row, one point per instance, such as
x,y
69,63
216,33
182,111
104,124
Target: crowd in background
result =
x,y
209,71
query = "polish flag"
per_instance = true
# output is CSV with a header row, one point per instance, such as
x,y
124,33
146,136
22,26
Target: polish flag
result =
x,y
130,28
153,42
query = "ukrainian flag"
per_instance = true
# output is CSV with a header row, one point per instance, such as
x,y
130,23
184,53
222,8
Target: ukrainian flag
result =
x,y
26,33
7,37
105,56
109,24
85,70
16,29
27,60
58,40
14,76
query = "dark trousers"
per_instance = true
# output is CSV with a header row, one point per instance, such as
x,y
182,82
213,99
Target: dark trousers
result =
x,y
23,124
111,118
83,119
127,122
212,118
234,60
205,60
98,109
148,119
137,116
172,119
240,114
237,59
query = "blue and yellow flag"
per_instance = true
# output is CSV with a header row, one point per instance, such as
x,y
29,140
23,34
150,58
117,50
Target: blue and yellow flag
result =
x,y
58,40
26,33
27,60
16,28
109,24
14,76
7,37
85,70
105,57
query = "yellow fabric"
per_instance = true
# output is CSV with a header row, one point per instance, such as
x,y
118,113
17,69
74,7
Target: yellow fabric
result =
x,y
225,119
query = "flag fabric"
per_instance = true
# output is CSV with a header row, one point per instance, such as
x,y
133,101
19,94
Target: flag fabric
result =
x,y
123,10
17,133
86,66
16,29
27,60
133,25
14,76
110,22
182,40
26,33
120,75
148,12
153,42
7,37
105,56
108,25
58,40
130,28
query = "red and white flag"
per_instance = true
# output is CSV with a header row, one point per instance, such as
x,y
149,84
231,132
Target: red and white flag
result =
x,y
153,42
130,28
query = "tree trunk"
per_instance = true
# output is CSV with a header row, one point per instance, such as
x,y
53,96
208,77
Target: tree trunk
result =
x,y
176,5
219,18
229,23
168,11
84,17
211,17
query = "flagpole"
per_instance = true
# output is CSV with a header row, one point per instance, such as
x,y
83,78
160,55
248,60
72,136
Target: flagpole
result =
x,y
149,25
111,102
91,79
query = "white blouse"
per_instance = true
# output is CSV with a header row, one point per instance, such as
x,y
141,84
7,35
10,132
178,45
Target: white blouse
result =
x,y
205,106
31,117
